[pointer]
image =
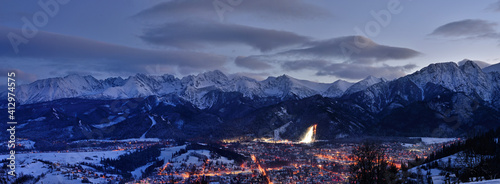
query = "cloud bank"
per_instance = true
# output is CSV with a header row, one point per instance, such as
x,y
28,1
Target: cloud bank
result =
x,y
196,34
467,28
64,49
357,49
208,9
350,57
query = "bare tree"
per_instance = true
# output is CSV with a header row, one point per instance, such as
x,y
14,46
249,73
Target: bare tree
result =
x,y
370,165
470,163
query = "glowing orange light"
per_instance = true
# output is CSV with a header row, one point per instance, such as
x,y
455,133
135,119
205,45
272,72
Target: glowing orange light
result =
x,y
310,136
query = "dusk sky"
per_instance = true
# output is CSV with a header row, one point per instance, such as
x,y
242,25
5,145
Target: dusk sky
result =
x,y
314,40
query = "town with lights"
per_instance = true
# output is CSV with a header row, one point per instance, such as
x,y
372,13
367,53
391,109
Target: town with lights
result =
x,y
239,160
278,161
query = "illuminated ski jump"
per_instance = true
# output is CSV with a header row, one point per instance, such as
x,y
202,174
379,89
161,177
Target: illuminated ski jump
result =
x,y
310,136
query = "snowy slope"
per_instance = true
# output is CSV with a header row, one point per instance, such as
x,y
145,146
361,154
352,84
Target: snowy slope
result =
x,y
57,88
28,163
468,78
337,88
430,81
492,68
285,85
363,84
153,123
496,181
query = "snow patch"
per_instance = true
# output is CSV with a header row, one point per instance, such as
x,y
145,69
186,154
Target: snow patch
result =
x,y
143,136
111,123
434,140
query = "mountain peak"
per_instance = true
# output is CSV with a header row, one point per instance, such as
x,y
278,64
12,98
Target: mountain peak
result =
x,y
470,67
139,75
215,74
282,78
337,88
73,76
372,79
76,76
469,63
464,61
285,76
363,84
439,67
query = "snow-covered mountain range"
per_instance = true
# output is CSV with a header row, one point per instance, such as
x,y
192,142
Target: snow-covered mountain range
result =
x,y
431,81
442,99
192,88
468,78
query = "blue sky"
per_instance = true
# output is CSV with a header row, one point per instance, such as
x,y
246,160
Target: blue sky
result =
x,y
315,40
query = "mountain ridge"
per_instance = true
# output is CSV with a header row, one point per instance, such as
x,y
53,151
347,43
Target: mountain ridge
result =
x,y
440,100
191,87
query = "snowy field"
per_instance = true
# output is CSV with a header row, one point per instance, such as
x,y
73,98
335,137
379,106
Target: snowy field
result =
x,y
26,164
497,181
67,158
428,141
187,159
438,179
122,140
166,155
434,140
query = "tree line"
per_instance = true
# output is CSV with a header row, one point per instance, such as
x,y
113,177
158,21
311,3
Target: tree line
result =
x,y
477,158
128,162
